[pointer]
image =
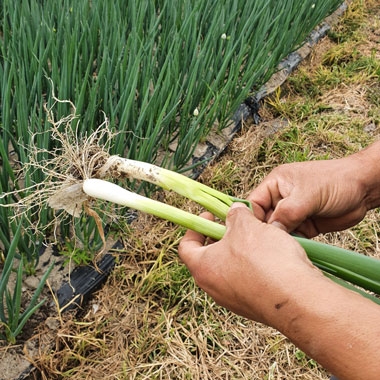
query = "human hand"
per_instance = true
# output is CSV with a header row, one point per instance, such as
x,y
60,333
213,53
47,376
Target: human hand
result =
x,y
253,270
312,197
260,272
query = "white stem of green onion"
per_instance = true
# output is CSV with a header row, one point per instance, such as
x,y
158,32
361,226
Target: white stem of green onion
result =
x,y
107,191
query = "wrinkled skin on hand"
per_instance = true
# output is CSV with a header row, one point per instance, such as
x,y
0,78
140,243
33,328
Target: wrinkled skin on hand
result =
x,y
238,271
312,197
260,272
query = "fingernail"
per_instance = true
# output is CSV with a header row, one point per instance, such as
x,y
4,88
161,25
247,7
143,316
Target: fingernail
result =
x,y
279,225
238,204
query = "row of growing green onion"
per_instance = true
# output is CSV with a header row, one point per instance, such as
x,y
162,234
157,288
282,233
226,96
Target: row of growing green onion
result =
x,y
146,65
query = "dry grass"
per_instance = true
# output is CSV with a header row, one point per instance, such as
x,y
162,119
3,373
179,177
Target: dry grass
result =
x,y
150,321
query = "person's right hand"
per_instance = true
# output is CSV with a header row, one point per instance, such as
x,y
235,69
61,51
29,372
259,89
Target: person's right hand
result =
x,y
313,197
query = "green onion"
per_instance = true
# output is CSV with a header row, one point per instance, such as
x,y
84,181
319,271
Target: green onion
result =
x,y
107,191
338,263
361,270
213,200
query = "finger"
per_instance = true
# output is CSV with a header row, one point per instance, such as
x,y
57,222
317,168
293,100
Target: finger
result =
x,y
259,212
237,214
207,215
279,225
290,213
192,241
266,195
194,238
238,205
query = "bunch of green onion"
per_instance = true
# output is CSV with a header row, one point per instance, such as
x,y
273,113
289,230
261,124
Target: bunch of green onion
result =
x,y
348,268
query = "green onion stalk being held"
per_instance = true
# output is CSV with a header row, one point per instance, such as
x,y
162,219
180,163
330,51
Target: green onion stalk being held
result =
x,y
347,265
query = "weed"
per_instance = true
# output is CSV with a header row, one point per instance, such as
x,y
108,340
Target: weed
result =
x,y
302,357
373,95
75,256
303,84
350,24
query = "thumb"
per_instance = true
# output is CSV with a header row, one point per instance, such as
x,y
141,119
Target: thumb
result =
x,y
288,214
238,213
